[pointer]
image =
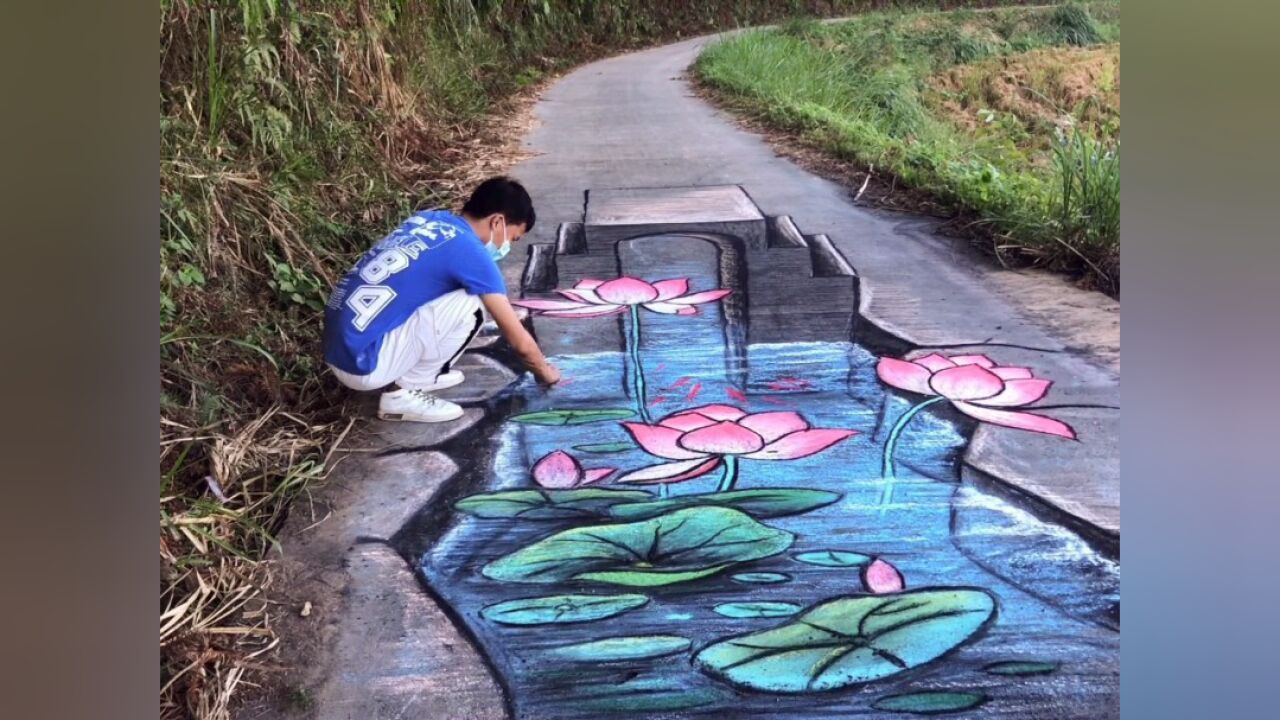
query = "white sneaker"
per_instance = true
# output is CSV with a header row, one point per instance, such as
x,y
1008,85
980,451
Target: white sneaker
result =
x,y
447,380
416,406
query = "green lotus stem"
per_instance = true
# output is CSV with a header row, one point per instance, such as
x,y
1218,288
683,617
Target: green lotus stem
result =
x,y
730,476
637,379
637,370
888,471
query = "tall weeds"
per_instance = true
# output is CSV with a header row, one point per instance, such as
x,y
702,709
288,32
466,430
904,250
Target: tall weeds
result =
x,y
1087,205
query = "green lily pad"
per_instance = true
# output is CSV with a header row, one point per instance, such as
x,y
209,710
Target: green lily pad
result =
x,y
561,609
930,703
572,417
680,546
611,447
631,647
851,640
833,558
1020,667
642,695
547,504
647,577
773,502
760,578
757,609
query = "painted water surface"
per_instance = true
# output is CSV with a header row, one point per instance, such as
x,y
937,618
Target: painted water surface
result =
x,y
693,527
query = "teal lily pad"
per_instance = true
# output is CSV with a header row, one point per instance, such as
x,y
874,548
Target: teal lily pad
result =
x,y
561,609
851,640
680,546
773,502
631,647
757,609
833,558
610,447
760,578
930,703
547,504
572,417
1020,667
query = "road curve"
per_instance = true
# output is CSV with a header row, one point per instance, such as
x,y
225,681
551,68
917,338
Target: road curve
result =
x,y
633,121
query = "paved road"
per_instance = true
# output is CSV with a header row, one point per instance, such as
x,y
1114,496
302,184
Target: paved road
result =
x,y
389,650
632,121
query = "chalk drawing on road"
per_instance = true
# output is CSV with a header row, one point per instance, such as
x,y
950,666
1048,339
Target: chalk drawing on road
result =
x,y
737,506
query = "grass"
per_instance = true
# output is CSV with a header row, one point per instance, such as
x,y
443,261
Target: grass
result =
x,y
1009,117
293,135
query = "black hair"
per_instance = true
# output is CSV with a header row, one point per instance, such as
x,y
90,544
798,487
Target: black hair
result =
x,y
503,195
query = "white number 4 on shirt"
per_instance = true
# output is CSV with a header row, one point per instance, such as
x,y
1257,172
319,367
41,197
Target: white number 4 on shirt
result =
x,y
367,301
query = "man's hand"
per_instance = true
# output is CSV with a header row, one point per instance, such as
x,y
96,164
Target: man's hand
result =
x,y
548,374
521,341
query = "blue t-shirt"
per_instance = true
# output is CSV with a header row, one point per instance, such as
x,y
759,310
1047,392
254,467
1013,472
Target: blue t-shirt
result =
x,y
433,253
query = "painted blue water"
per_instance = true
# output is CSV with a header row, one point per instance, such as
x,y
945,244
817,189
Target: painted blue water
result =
x,y
1057,598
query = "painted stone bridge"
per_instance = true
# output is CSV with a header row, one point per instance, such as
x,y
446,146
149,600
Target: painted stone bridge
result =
x,y
819,474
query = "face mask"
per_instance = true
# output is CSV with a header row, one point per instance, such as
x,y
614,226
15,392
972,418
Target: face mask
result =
x,y
497,252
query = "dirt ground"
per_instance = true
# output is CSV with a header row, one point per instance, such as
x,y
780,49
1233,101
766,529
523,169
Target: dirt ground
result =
x,y
1043,89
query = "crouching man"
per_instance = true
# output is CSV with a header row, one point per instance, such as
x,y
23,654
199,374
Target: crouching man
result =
x,y
403,315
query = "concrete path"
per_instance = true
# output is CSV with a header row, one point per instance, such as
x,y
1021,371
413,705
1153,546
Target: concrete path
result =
x,y
633,121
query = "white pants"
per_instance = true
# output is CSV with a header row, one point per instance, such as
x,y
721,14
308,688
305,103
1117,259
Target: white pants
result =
x,y
422,348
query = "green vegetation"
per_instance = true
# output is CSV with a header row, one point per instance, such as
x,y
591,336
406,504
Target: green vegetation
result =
x,y
293,135
1010,116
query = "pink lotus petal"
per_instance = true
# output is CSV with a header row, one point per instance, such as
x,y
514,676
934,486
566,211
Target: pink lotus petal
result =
x,y
1019,392
534,304
668,289
982,360
905,375
584,296
596,475
1017,420
667,308
685,420
700,297
659,440
1011,373
934,362
723,438
801,444
773,425
671,472
588,311
880,577
626,291
966,382
588,284
719,412
557,469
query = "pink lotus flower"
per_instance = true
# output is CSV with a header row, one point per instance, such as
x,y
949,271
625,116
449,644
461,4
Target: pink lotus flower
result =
x,y
560,470
880,577
701,439
977,387
594,298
